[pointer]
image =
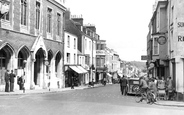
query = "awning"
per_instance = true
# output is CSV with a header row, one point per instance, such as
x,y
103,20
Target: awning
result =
x,y
76,69
82,69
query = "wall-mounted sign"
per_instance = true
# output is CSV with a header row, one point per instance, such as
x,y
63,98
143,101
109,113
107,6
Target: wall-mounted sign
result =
x,y
180,38
180,24
162,40
100,52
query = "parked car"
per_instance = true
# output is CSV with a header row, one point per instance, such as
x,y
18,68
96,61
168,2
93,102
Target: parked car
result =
x,y
133,83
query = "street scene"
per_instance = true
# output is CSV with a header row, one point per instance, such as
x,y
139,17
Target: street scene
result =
x,y
96,57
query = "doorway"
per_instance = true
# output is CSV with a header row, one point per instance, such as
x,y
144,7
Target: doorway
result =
x,y
39,66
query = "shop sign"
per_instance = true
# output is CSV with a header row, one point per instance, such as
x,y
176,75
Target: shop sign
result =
x,y
162,40
100,52
180,38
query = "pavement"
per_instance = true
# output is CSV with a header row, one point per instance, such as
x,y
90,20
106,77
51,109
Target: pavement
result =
x,y
43,91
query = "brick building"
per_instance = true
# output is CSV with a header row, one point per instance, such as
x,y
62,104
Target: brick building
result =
x,y
32,43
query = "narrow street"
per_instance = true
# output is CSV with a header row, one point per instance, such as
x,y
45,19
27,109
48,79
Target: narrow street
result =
x,y
95,101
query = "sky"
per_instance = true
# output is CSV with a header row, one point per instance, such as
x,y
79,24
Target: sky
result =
x,y
122,23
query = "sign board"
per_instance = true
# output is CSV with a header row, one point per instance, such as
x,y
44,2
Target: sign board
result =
x,y
144,57
162,40
100,52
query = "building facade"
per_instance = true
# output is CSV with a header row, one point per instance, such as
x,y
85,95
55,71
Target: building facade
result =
x,y
32,43
166,39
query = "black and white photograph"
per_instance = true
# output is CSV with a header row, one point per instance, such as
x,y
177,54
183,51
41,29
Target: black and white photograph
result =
x,y
91,57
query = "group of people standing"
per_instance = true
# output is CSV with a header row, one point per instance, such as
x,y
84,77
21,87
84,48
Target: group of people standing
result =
x,y
9,81
156,84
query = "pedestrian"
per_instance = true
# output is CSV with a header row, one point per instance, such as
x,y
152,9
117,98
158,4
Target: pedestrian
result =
x,y
124,84
169,88
21,83
153,87
144,88
120,83
72,82
12,76
7,81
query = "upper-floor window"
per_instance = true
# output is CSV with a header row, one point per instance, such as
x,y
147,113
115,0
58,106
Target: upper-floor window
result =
x,y
58,23
49,20
37,15
74,58
23,12
68,41
6,16
155,47
68,57
74,43
85,43
89,45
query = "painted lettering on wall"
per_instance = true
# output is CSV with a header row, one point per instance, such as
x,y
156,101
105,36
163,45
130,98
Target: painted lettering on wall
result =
x,y
180,38
180,24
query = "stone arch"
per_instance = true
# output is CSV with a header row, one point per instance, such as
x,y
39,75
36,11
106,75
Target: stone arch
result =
x,y
40,57
25,50
58,67
6,62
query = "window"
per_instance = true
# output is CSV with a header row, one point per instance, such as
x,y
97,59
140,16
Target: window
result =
x,y
155,49
37,15
68,57
6,16
74,43
89,45
74,58
49,17
68,41
23,12
85,43
58,23
97,61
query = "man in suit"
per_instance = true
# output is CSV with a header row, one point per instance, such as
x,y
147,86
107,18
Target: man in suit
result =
x,y
7,80
12,76
124,83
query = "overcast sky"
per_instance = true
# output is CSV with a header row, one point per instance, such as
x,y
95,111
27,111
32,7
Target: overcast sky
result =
x,y
122,23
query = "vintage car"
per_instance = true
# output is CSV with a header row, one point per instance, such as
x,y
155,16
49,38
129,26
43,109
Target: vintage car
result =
x,y
133,83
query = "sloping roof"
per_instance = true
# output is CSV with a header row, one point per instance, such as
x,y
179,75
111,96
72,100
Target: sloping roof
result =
x,y
72,28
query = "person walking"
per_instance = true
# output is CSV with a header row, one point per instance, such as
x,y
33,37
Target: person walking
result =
x,y
7,81
120,83
12,76
124,85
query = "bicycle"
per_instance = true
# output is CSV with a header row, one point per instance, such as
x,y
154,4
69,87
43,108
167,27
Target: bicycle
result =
x,y
149,96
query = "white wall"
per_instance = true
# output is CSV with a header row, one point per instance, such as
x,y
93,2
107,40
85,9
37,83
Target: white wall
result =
x,y
70,49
